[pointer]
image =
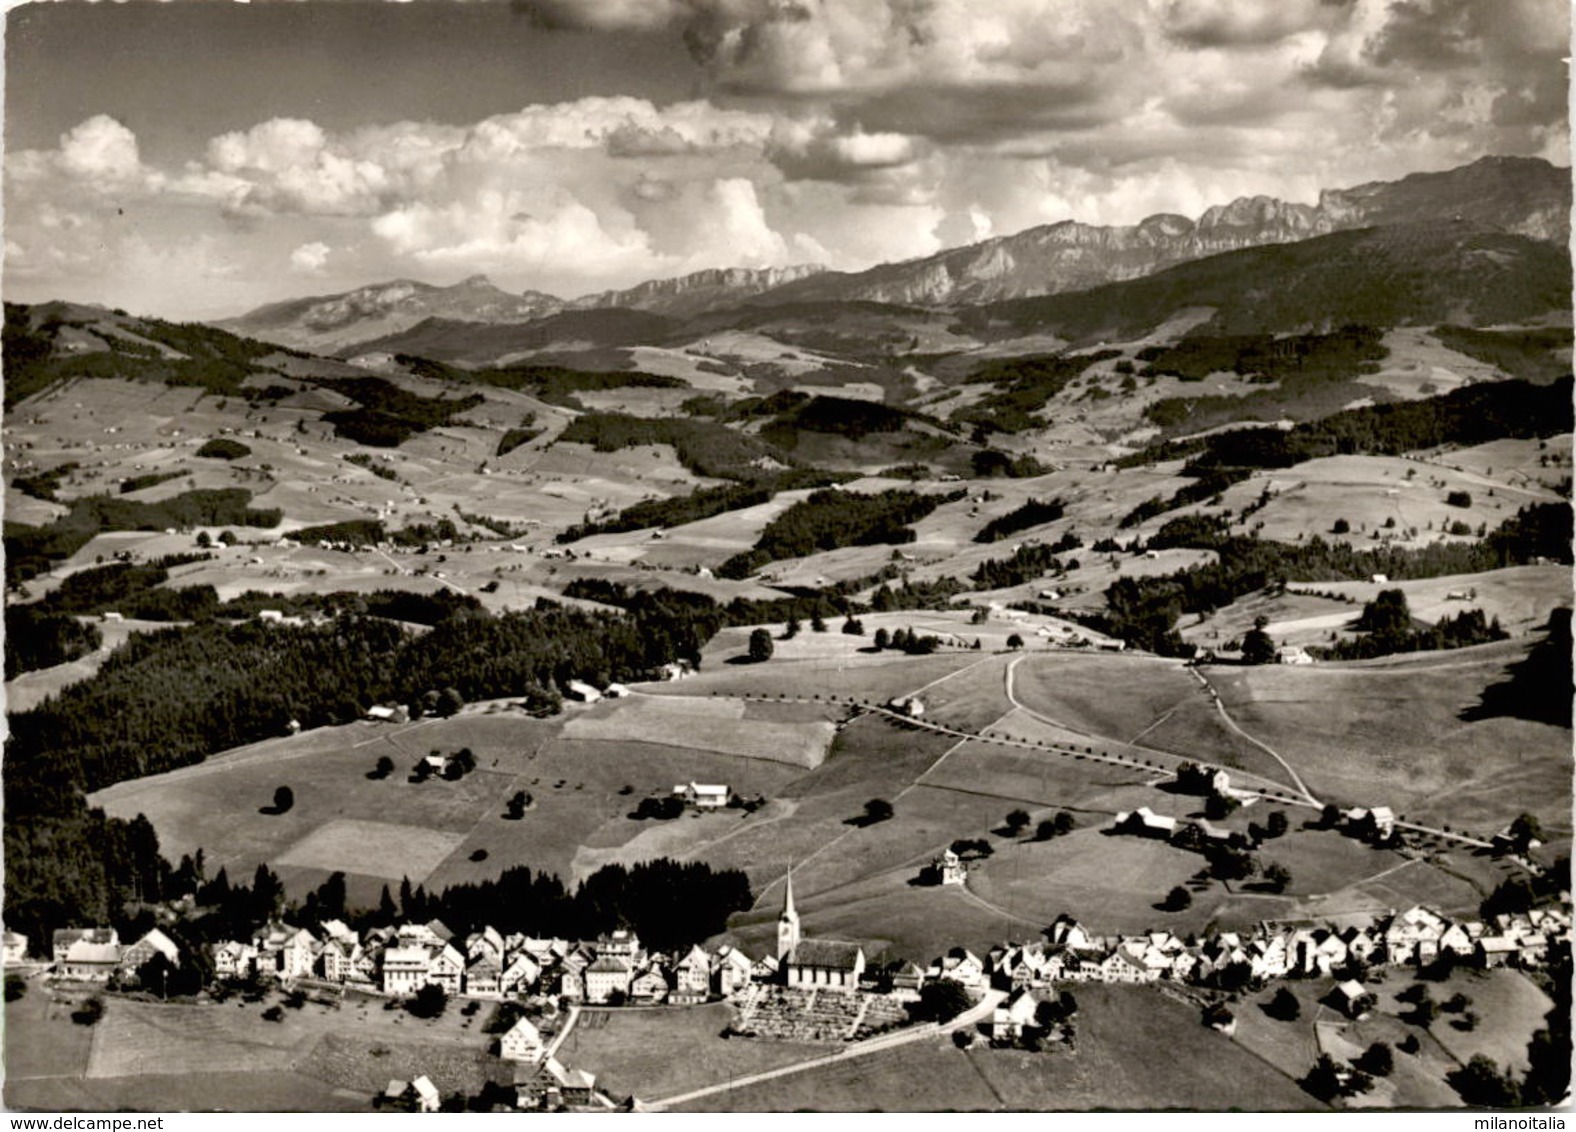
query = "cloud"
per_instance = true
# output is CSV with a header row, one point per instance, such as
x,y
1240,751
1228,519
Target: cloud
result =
x,y
309,259
101,148
817,150
1235,23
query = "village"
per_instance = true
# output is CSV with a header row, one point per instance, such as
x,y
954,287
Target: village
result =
x,y
811,990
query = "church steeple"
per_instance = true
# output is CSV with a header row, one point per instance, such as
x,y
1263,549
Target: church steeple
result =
x,y
788,922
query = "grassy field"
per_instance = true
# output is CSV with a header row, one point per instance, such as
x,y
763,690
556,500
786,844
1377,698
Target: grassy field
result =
x,y
1391,732
707,724
1114,1066
1520,597
668,1050
148,1055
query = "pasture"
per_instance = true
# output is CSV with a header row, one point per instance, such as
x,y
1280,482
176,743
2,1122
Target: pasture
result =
x,y
661,1051
1398,732
1113,1067
708,724
1520,597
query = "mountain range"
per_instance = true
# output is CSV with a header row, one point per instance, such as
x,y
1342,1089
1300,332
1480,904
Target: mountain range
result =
x,y
1525,197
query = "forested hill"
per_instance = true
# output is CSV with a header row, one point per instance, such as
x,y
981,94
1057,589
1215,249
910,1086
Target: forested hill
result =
x,y
170,698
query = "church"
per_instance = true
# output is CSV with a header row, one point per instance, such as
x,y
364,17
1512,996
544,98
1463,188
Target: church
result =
x,y
830,963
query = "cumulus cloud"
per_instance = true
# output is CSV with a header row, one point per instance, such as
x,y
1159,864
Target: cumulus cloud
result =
x,y
309,259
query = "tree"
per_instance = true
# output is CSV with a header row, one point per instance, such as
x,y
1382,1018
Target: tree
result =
x,y
791,629
817,624
516,808
1481,1083
1045,830
1285,1006
1276,824
1017,821
979,616
883,639
203,541
1218,1016
1524,831
1378,1060
89,1012
1178,899
940,1001
1065,823
1324,1079
384,768
1330,815
1015,641
15,987
1277,876
284,798
1257,647
449,702
877,809
854,627
760,645
1341,527
428,1002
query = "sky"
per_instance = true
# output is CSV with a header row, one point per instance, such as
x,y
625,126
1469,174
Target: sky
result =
x,y
195,158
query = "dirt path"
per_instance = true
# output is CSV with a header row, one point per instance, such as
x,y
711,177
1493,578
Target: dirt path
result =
x,y
1220,706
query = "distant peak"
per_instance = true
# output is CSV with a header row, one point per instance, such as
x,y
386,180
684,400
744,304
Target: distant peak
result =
x,y
474,281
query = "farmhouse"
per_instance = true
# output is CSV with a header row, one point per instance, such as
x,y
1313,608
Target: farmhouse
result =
x,y
606,977
154,943
378,713
1378,822
585,693
1353,999
89,962
15,947
1145,823
1292,654
702,797
65,938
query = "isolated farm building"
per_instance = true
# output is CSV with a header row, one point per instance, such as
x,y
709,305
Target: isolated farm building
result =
x,y
1014,1015
14,947
830,963
615,691
426,1095
608,976
274,615
1379,579
379,713
701,796
522,1042
1146,823
585,693
949,868
111,615
911,706
154,943
1378,822
1292,654
66,938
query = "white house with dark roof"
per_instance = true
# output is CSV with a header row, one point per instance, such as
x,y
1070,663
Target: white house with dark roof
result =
x,y
523,1042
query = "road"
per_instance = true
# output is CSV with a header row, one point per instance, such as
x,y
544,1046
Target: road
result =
x,y
977,1013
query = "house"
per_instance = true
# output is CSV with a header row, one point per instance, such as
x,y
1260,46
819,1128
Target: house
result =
x,y
1353,999
949,868
522,1042
154,943
606,977
89,962
555,1086
831,963
520,975
585,693
1069,933
1497,951
908,979
380,714
615,691
1457,940
485,942
1013,1016
274,615
425,1094
1378,822
1413,936
692,977
1145,823
962,966
15,947
1292,654
65,938
405,969
337,962
730,970
651,986
702,797
767,969
446,967
234,960
484,978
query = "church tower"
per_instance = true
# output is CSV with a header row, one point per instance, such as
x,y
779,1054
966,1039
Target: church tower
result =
x,y
788,922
